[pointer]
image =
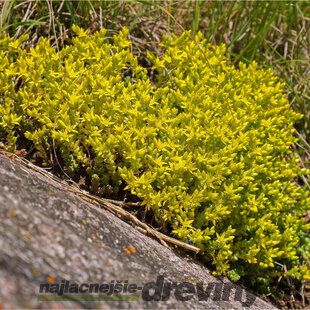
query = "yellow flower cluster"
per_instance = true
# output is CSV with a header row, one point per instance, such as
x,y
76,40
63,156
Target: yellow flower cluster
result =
x,y
207,148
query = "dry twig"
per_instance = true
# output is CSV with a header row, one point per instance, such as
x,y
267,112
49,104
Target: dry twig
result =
x,y
108,204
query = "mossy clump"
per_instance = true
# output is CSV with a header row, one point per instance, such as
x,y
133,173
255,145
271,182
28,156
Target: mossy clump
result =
x,y
207,148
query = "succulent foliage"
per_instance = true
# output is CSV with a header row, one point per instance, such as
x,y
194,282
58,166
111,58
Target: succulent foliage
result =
x,y
207,148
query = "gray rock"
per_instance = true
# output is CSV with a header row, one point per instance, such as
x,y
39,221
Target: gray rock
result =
x,y
49,235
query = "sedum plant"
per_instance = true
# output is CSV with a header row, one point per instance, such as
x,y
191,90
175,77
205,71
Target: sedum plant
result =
x,y
207,148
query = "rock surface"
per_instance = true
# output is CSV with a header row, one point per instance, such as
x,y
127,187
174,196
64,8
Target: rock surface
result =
x,y
48,235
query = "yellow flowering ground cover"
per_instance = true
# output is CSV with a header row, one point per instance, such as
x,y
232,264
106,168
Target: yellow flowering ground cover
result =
x,y
207,148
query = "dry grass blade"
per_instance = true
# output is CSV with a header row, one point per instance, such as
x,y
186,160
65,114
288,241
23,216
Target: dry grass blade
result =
x,y
108,204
